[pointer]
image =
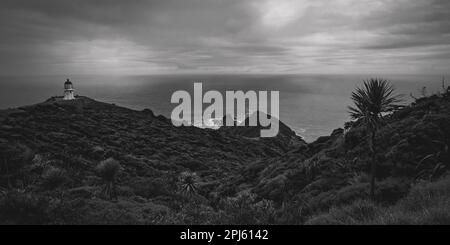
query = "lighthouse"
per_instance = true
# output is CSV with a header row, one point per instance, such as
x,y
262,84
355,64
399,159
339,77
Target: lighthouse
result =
x,y
68,90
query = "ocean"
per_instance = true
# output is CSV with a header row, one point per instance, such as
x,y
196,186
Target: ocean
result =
x,y
312,105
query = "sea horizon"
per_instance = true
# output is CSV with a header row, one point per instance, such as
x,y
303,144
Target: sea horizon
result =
x,y
310,104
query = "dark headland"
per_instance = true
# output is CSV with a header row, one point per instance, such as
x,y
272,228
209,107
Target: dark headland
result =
x,y
87,162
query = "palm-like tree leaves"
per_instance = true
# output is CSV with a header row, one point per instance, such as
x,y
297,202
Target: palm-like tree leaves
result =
x,y
188,183
371,101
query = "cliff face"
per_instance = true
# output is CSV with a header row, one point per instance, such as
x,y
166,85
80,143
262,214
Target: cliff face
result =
x,y
50,151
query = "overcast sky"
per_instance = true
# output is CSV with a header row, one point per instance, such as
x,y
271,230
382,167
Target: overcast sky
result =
x,y
224,36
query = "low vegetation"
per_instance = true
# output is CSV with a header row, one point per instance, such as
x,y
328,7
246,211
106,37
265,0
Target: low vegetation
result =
x,y
87,162
425,204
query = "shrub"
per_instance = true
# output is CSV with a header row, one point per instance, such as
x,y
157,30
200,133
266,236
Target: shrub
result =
x,y
359,212
150,187
53,177
194,213
391,190
291,213
23,208
351,193
108,169
14,157
245,210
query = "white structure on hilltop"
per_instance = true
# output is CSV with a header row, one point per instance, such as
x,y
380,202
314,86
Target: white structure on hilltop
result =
x,y
68,90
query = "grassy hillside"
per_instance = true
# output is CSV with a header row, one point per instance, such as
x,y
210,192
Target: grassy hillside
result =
x,y
54,157
426,203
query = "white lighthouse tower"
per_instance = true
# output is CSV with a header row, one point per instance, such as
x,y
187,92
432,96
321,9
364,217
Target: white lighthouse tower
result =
x,y
68,90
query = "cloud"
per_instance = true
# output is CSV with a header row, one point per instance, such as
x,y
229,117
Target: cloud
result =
x,y
270,36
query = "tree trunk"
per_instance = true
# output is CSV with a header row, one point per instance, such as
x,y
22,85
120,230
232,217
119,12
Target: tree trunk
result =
x,y
373,165
372,179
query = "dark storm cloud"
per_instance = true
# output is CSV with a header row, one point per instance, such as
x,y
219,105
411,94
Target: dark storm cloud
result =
x,y
137,36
